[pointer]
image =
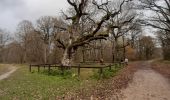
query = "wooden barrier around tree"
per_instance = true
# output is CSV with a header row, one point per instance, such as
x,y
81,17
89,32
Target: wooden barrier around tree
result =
x,y
49,66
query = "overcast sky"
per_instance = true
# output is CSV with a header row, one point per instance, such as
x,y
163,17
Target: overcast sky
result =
x,y
14,11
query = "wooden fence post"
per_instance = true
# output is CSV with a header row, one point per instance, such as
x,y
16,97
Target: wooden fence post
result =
x,y
79,70
30,68
101,71
110,67
38,68
62,69
49,69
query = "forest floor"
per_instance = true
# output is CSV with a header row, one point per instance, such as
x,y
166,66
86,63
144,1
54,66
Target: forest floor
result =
x,y
141,80
21,84
147,84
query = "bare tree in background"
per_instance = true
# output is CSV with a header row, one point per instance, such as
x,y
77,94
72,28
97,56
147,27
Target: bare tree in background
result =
x,y
164,39
146,47
4,37
160,20
119,26
35,50
134,34
13,53
24,28
161,11
45,28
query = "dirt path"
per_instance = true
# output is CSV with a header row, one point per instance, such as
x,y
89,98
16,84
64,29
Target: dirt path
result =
x,y
147,85
7,74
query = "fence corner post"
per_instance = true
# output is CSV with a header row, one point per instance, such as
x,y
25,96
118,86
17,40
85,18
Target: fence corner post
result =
x,y
79,70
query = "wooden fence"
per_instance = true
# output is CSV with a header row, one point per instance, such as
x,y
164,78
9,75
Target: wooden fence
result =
x,y
78,67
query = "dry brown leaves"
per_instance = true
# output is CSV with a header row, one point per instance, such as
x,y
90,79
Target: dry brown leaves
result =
x,y
106,89
163,68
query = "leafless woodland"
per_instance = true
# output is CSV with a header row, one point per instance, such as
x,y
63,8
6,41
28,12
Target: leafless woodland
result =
x,y
91,30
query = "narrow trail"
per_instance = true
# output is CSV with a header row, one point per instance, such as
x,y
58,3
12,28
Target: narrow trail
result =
x,y
147,84
7,74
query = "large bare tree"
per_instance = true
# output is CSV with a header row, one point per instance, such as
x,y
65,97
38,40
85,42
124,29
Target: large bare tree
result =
x,y
119,26
161,11
161,20
96,16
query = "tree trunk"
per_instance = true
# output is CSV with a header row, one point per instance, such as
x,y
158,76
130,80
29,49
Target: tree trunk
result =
x,y
101,50
67,58
114,51
45,54
83,54
124,48
25,56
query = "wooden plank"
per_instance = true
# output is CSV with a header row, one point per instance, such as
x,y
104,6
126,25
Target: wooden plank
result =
x,y
89,67
73,66
100,67
42,64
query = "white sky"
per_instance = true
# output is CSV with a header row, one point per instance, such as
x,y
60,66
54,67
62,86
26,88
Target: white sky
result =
x,y
14,11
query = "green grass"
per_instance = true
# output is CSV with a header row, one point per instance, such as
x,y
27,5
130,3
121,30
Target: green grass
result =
x,y
23,85
163,61
108,73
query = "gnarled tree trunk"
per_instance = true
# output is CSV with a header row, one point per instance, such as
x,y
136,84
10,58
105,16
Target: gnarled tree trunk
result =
x,y
67,57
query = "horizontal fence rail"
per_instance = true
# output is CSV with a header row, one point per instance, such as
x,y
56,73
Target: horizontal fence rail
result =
x,y
77,66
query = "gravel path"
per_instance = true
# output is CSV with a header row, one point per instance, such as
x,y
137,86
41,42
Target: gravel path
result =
x,y
147,85
7,74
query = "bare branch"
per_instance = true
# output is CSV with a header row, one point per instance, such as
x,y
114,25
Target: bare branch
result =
x,y
61,44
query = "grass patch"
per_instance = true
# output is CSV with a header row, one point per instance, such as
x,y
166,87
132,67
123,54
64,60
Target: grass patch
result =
x,y
23,85
163,67
107,73
165,61
3,69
